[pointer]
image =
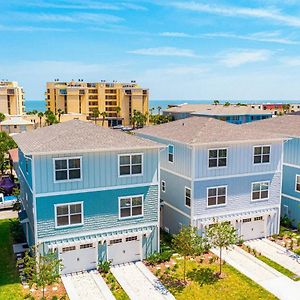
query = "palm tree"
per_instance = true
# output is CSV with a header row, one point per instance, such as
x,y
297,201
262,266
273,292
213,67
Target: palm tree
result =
x,y
118,110
60,112
216,102
40,115
95,114
151,110
104,115
227,103
159,109
2,117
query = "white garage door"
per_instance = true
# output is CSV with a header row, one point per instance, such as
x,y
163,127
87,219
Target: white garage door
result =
x,y
79,258
124,250
253,228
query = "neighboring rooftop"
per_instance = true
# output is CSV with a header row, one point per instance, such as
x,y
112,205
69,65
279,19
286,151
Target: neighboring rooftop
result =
x,y
288,125
216,110
78,136
16,121
203,130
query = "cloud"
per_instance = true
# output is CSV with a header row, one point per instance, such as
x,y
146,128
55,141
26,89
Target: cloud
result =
x,y
235,11
164,51
32,29
291,61
240,57
175,34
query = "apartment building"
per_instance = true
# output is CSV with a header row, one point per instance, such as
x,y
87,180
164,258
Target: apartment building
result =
x,y
118,100
212,170
278,108
11,98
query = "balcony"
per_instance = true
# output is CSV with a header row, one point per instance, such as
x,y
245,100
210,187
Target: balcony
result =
x,y
63,92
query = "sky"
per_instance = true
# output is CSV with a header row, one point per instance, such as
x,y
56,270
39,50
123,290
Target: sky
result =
x,y
214,49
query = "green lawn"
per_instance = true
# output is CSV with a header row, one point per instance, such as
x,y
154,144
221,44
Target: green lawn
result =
x,y
10,287
203,284
114,286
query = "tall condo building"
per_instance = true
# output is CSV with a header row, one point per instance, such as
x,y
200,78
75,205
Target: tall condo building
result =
x,y
11,98
118,100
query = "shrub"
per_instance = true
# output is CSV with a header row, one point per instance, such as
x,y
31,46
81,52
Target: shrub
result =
x,y
157,258
286,222
104,266
17,231
54,298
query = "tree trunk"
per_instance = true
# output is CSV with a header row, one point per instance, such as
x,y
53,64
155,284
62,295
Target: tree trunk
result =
x,y
220,260
184,266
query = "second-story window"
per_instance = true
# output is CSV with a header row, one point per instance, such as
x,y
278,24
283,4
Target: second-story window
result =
x,y
216,196
131,206
171,153
298,183
187,196
217,158
67,168
130,164
261,154
260,190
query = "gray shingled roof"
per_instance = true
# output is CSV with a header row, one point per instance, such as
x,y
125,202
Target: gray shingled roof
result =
x,y
78,136
288,125
217,110
203,130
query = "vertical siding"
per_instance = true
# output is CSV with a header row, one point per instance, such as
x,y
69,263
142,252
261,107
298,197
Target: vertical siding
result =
x,y
239,160
182,157
22,166
292,151
293,209
98,170
289,182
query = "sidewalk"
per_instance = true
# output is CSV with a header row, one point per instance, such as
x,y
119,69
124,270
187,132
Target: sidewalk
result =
x,y
270,279
276,253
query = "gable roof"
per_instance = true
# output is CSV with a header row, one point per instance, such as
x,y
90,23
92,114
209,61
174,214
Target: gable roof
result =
x,y
288,125
217,110
78,136
203,130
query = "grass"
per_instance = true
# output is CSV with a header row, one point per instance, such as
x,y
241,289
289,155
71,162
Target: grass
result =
x,y
10,287
114,286
204,284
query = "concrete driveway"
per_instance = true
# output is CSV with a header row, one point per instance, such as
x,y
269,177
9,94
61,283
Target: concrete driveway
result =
x,y
279,285
139,283
8,214
276,253
86,285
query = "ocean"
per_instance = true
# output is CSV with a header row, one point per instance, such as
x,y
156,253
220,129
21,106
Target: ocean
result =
x,y
39,105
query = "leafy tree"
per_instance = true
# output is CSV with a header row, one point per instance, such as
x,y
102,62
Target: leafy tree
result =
x,y
40,115
2,117
16,193
59,113
189,243
138,119
104,115
6,143
160,119
221,235
95,114
50,118
41,270
216,102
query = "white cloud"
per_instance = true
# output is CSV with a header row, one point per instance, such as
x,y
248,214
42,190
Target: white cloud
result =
x,y
291,61
175,34
165,51
32,28
235,11
240,57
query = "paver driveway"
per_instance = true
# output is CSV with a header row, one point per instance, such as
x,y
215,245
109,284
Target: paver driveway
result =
x,y
276,253
86,286
279,285
139,283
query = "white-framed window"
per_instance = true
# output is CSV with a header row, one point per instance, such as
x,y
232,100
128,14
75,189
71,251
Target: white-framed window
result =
x,y
171,153
216,196
260,190
70,214
261,154
187,197
130,164
163,186
217,158
131,206
297,186
67,169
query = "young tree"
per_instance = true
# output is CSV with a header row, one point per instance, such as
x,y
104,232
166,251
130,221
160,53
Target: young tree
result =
x,y
40,115
189,243
41,270
221,235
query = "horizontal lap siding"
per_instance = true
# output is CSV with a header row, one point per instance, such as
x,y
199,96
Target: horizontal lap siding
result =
x,y
238,194
101,210
239,160
98,170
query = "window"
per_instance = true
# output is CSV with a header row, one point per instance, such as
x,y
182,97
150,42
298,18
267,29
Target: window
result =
x,y
70,248
258,218
217,158
131,238
262,154
216,196
67,168
130,164
298,183
260,190
163,186
187,196
69,214
116,241
84,246
171,153
131,206
247,220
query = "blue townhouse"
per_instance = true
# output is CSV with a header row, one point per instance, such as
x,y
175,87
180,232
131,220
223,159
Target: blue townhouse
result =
x,y
288,126
89,194
212,170
235,114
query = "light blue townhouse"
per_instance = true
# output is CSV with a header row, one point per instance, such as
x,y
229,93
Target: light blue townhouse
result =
x,y
288,126
89,194
212,170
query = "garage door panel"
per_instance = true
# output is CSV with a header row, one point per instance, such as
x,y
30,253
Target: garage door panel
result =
x,y
253,228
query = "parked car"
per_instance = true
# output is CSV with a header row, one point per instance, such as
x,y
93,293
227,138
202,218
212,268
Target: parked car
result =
x,y
7,201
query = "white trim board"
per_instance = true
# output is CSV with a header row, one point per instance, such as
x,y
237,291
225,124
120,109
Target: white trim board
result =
x,y
176,209
116,187
290,197
26,180
291,165
176,174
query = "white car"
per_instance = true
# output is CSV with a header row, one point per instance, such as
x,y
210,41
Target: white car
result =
x,y
7,201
